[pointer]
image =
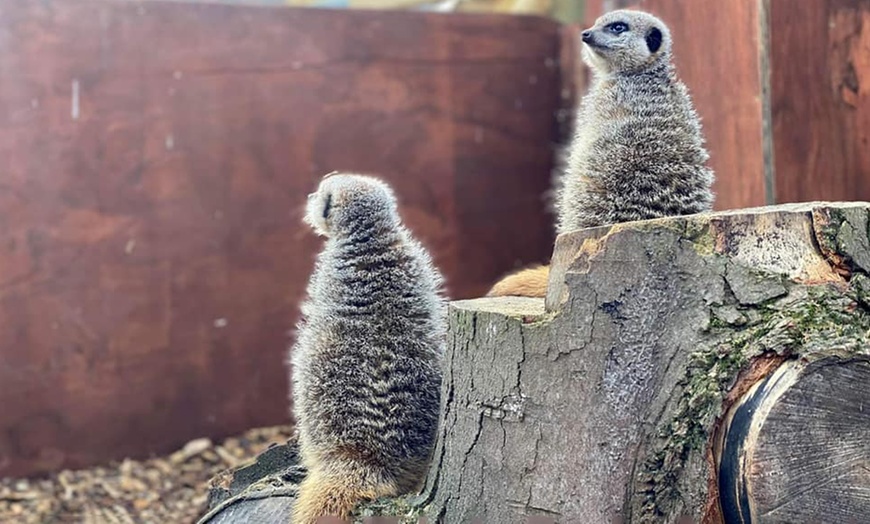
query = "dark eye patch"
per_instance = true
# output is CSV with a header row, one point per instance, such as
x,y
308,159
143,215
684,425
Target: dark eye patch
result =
x,y
654,40
617,27
327,206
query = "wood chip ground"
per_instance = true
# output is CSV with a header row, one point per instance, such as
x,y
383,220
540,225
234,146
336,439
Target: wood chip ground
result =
x,y
165,490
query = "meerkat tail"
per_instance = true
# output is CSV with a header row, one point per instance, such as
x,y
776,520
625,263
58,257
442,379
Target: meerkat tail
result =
x,y
333,494
530,282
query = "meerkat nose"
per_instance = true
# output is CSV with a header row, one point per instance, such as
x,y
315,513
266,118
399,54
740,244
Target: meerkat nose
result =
x,y
586,35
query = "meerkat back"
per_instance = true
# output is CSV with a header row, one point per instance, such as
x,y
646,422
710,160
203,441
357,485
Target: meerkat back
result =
x,y
366,364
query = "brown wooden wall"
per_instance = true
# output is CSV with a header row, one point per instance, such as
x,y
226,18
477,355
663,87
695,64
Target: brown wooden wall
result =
x,y
820,102
156,158
782,87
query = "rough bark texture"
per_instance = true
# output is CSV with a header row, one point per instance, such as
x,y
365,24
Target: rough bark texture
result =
x,y
604,406
263,490
621,400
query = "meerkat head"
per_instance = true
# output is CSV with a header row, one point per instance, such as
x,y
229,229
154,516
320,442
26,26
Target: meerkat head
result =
x,y
344,201
625,41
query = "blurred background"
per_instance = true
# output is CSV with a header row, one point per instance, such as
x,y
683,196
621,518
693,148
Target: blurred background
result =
x,y
157,155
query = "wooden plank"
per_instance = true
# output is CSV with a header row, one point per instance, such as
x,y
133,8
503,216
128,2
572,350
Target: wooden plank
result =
x,y
157,157
820,81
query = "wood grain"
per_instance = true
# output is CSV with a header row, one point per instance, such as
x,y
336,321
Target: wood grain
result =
x,y
796,446
157,158
820,82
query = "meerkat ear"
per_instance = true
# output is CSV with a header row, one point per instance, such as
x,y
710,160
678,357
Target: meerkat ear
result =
x,y
654,40
327,206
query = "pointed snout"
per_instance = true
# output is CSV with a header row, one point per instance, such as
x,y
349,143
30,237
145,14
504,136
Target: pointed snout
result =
x,y
586,36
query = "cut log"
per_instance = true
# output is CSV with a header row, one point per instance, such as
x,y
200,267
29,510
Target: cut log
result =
x,y
796,447
605,404
712,368
264,491
264,488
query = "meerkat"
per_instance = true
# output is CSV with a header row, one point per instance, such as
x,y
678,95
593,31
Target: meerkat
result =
x,y
366,363
638,150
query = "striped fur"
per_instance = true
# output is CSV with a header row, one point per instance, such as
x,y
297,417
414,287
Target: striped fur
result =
x,y
638,152
366,364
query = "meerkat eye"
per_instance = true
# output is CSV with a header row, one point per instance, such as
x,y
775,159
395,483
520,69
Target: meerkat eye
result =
x,y
618,27
327,206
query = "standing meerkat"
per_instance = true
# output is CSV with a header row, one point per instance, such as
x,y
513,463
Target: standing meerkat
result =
x,y
638,152
366,363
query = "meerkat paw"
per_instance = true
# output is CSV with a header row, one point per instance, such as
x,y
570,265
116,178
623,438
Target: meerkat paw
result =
x,y
531,282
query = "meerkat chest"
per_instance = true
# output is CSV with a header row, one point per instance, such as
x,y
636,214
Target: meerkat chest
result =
x,y
624,107
591,121
600,111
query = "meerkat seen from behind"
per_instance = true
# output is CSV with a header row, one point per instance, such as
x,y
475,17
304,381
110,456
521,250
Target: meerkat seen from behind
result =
x,y
366,363
638,151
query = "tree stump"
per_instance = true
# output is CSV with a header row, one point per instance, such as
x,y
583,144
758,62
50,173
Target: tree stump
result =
x,y
712,368
672,361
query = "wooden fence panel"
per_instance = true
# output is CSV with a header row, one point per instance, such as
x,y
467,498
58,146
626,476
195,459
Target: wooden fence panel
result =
x,y
156,160
820,99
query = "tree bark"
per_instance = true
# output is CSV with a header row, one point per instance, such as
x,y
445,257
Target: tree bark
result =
x,y
605,404
261,491
672,361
